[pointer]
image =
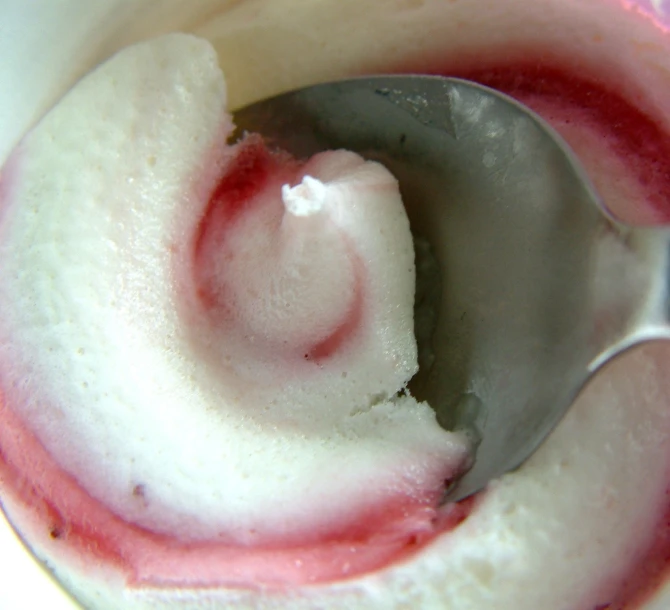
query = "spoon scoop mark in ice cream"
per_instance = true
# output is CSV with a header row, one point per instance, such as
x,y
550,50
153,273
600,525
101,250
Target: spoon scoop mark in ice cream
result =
x,y
210,340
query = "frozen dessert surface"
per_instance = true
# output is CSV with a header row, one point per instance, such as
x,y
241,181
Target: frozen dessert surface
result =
x,y
213,341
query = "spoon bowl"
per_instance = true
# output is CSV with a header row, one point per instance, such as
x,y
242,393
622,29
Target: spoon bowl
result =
x,y
534,285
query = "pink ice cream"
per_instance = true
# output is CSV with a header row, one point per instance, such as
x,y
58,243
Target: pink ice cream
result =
x,y
580,526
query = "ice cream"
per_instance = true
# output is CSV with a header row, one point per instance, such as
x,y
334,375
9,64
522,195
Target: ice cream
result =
x,y
210,342
570,528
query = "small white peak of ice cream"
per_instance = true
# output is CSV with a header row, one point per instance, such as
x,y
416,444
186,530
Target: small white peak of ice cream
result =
x,y
306,198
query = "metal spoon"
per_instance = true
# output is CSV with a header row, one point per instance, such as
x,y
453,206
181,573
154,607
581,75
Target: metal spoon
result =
x,y
540,285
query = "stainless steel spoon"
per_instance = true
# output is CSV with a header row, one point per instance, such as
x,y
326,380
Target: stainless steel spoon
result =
x,y
540,285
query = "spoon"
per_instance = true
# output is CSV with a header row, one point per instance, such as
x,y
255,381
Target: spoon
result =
x,y
540,285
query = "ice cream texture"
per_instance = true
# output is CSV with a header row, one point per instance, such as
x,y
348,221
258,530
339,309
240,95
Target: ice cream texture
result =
x,y
213,342
580,526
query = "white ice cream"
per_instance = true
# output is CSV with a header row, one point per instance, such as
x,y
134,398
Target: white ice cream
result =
x,y
222,420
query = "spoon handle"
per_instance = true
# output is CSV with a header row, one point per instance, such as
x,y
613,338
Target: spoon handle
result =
x,y
631,288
